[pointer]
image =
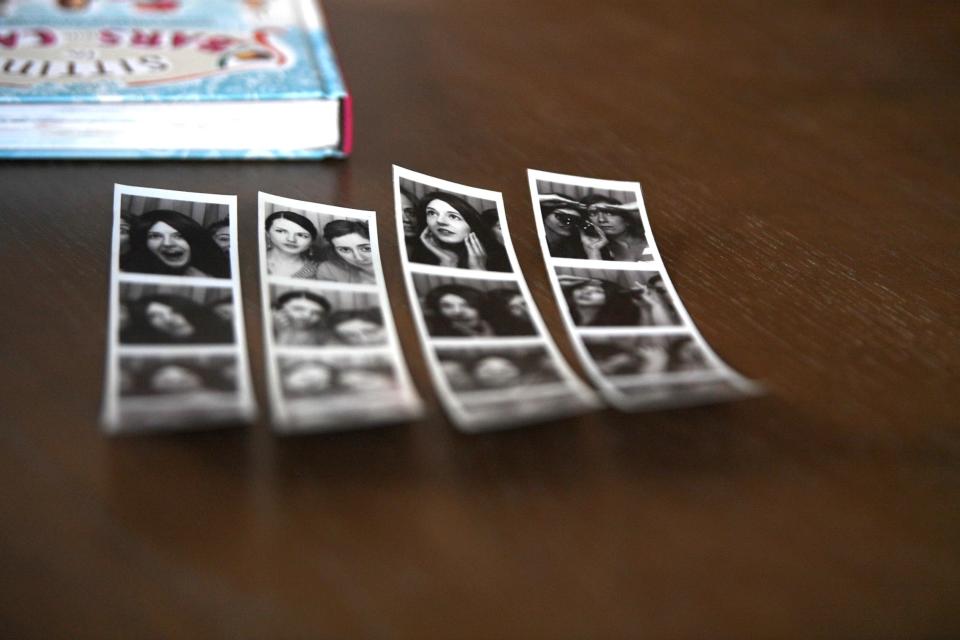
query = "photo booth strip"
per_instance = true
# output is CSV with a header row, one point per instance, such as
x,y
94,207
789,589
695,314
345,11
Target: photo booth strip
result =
x,y
176,348
322,377
629,327
508,392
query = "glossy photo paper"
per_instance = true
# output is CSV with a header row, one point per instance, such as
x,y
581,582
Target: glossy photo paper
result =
x,y
492,360
624,317
176,349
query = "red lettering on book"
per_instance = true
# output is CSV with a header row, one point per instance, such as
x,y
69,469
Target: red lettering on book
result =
x,y
216,44
47,37
181,39
108,37
144,39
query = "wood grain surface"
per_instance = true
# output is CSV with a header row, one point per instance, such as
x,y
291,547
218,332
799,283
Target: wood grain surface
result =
x,y
800,165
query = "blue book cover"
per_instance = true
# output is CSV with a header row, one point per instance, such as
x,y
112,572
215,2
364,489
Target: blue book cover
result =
x,y
64,57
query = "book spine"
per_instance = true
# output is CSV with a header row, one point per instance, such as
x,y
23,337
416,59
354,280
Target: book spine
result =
x,y
164,154
346,125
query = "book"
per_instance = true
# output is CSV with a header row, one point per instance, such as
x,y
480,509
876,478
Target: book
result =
x,y
169,79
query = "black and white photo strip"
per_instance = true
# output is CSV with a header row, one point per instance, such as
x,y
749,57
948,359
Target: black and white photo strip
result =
x,y
176,352
624,317
333,357
491,359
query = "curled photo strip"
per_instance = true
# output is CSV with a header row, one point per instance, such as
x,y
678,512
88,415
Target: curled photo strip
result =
x,y
632,333
491,358
176,351
333,358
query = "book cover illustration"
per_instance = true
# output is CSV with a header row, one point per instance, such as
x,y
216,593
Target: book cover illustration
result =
x,y
116,52
162,50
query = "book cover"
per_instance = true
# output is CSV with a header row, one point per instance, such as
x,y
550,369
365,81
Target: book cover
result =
x,y
114,52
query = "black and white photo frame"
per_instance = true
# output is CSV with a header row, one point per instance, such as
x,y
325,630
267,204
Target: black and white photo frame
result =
x,y
176,347
468,295
629,327
333,357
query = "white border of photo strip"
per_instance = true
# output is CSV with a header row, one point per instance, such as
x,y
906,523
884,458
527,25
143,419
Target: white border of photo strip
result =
x,y
168,413
353,410
579,398
717,370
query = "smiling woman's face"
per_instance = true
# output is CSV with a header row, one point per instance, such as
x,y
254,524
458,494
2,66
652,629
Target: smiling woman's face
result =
x,y
288,237
168,245
446,223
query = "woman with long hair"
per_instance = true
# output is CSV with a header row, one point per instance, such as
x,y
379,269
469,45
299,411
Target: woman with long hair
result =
x,y
508,311
167,242
299,318
457,310
594,302
174,319
620,228
456,235
290,238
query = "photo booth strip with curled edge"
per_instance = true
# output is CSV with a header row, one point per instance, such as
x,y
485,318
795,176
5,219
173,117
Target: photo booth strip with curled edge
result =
x,y
176,347
333,357
629,327
492,360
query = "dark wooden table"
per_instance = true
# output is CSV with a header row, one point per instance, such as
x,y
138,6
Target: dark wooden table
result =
x,y
800,166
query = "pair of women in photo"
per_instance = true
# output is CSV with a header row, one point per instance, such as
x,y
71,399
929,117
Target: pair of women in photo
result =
x,y
293,250
596,227
308,378
147,378
305,318
169,318
647,355
595,302
458,310
167,242
445,230
498,371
